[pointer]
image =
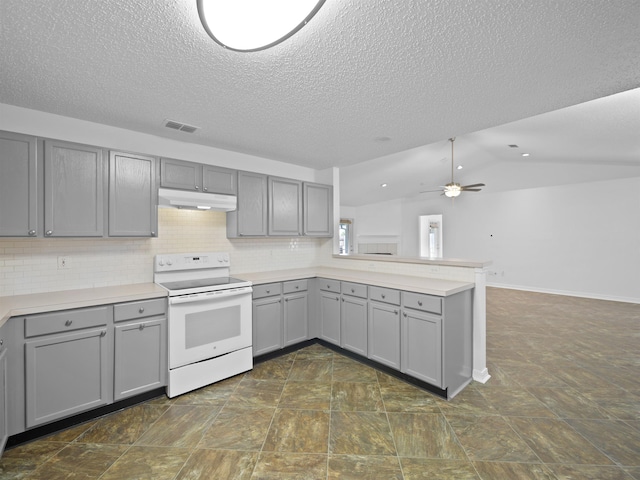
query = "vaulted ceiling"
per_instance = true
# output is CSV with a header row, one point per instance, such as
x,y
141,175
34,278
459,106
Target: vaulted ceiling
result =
x,y
364,80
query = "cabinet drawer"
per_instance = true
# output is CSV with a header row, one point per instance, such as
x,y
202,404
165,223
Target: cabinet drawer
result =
x,y
295,286
420,301
65,320
386,295
268,290
329,285
140,309
354,289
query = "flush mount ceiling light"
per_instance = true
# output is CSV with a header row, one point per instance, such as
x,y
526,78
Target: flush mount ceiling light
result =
x,y
252,25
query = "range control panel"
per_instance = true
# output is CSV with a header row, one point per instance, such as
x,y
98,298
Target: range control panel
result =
x,y
191,261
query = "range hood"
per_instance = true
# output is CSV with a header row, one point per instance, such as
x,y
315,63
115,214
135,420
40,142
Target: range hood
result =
x,y
169,198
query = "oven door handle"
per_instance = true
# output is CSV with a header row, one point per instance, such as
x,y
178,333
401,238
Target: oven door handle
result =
x,y
210,296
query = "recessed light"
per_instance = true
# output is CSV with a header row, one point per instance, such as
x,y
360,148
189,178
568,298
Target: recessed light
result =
x,y
383,185
525,154
460,167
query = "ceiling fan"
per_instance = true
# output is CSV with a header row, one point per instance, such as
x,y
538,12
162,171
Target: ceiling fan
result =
x,y
453,189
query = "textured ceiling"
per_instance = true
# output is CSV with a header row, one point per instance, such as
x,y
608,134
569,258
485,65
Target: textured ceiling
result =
x,y
416,72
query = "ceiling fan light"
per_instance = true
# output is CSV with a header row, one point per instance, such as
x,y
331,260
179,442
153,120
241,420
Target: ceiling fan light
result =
x,y
252,25
452,190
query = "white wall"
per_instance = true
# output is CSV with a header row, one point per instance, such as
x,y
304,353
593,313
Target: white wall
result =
x,y
581,239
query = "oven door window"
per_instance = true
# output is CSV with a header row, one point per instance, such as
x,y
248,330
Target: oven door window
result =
x,y
207,329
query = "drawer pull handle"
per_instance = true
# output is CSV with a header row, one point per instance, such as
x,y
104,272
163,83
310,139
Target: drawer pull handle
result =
x,y
382,295
328,286
420,302
141,310
68,323
141,326
297,287
103,333
353,290
268,291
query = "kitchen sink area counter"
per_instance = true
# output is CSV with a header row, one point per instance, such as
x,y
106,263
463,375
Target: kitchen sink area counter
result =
x,y
29,304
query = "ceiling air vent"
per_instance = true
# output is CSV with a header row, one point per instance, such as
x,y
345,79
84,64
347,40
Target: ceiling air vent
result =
x,y
183,127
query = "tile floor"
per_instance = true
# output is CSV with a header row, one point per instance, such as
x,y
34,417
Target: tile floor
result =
x,y
563,403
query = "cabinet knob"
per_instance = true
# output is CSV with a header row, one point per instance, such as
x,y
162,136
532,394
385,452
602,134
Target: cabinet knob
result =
x,y
103,333
205,189
382,295
1,341
420,302
153,234
286,299
48,233
395,312
353,290
297,287
141,310
404,313
141,326
68,323
197,187
337,298
268,291
343,299
32,233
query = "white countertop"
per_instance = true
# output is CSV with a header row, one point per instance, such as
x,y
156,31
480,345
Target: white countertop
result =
x,y
66,299
449,262
431,286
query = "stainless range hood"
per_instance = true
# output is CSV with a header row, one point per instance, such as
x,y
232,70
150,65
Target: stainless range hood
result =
x,y
169,198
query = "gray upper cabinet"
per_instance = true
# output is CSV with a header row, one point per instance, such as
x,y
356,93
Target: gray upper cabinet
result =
x,y
74,190
18,185
318,210
133,195
219,180
250,217
285,207
180,174
197,176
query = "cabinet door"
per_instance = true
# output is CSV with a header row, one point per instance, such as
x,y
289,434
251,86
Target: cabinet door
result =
x,y
133,210
66,374
74,190
318,210
296,318
140,357
330,317
219,180
180,174
4,419
354,324
18,185
422,346
285,207
267,325
384,334
252,204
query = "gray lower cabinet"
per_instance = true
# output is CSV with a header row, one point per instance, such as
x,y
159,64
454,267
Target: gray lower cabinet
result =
x,y
250,217
384,334
73,189
66,373
140,362
422,346
330,317
4,418
18,185
133,195
353,317
267,318
296,312
318,210
285,207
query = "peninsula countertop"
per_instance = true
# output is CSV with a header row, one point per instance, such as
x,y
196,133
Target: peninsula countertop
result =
x,y
28,304
410,283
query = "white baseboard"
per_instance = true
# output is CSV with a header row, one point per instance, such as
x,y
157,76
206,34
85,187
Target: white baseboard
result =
x,y
566,293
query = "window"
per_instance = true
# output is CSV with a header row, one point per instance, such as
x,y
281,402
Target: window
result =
x,y
345,232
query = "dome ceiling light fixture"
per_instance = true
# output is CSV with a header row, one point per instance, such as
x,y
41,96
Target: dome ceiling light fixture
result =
x,y
253,25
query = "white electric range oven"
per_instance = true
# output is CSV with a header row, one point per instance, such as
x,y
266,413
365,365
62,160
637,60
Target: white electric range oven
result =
x,y
209,319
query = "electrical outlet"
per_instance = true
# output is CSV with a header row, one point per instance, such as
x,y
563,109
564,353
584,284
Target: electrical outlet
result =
x,y
63,262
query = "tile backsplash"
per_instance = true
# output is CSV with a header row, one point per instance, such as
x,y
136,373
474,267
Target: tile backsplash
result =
x,y
32,265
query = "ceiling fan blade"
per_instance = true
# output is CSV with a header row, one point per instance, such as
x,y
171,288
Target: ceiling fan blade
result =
x,y
430,191
471,189
474,185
